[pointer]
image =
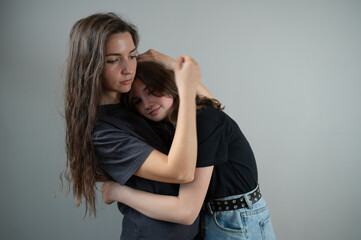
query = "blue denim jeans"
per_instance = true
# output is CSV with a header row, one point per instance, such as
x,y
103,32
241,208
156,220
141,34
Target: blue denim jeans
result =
x,y
253,223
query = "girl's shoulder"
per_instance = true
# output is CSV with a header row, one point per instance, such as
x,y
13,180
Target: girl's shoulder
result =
x,y
210,123
210,114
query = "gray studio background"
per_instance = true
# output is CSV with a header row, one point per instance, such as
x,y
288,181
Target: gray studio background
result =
x,y
289,72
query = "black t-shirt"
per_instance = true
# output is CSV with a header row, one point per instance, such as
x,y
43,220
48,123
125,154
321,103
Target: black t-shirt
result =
x,y
221,143
122,141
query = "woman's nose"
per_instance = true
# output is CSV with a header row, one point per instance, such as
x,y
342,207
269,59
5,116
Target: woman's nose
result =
x,y
127,68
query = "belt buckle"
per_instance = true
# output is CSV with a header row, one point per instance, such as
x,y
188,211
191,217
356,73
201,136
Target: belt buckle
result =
x,y
248,201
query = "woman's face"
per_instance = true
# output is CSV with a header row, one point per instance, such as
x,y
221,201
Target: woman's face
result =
x,y
152,107
120,65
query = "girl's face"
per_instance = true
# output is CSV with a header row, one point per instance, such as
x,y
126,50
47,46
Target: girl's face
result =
x,y
120,65
155,108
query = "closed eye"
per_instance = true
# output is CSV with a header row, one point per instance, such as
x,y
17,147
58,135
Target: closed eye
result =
x,y
112,60
136,101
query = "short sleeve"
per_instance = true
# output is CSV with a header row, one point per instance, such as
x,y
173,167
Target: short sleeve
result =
x,y
119,153
212,138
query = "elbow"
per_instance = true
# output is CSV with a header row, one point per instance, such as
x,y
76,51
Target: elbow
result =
x,y
185,178
189,221
189,217
181,176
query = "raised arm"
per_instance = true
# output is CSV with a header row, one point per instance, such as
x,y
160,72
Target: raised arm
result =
x,y
179,165
170,63
182,209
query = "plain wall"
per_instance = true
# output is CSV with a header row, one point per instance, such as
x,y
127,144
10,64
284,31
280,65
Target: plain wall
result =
x,y
289,72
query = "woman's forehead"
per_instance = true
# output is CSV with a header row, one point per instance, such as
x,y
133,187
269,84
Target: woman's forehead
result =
x,y
119,44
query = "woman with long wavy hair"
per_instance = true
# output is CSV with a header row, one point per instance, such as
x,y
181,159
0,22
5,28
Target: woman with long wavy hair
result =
x,y
106,141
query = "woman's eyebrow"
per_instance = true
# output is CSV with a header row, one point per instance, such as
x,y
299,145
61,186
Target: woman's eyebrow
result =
x,y
113,54
119,54
134,50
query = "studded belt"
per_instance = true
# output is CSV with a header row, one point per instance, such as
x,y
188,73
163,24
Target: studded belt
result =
x,y
237,203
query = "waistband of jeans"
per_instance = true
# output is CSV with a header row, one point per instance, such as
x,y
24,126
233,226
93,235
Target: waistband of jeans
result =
x,y
238,202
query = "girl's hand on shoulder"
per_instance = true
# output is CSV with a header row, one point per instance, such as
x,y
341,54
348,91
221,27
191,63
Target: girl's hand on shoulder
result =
x,y
154,56
109,191
187,74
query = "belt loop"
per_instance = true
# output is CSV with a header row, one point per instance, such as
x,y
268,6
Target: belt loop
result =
x,y
248,201
209,208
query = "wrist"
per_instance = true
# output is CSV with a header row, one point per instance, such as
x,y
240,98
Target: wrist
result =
x,y
117,193
199,88
187,94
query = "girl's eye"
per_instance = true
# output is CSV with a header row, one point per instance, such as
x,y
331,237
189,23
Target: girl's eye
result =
x,y
136,101
133,56
146,91
157,94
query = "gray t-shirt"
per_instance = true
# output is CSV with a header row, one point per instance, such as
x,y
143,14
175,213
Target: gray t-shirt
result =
x,y
122,141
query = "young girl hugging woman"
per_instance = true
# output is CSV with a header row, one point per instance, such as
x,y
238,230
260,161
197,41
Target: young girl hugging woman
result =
x,y
226,179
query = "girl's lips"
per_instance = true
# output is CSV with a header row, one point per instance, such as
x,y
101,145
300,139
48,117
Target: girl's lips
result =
x,y
154,112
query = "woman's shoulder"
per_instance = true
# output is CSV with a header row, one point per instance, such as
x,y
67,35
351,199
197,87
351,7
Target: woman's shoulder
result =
x,y
119,119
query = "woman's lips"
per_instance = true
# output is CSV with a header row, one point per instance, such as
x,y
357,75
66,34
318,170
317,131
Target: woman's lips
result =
x,y
127,82
154,112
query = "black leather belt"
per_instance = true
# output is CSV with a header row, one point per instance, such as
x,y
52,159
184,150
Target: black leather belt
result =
x,y
237,203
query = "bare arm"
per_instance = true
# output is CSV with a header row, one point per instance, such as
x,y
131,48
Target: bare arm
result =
x,y
182,209
179,165
203,91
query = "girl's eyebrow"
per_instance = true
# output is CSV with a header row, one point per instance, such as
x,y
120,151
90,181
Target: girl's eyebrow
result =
x,y
118,54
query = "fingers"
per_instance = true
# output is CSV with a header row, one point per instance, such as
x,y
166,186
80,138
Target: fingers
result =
x,y
180,61
154,56
146,56
143,57
185,59
150,55
168,62
106,188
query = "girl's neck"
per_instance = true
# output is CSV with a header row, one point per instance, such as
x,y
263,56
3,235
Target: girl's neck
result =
x,y
168,120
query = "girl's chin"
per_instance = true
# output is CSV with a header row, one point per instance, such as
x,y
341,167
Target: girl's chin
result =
x,y
156,119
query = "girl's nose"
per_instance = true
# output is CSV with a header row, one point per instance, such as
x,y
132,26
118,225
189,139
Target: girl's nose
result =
x,y
147,104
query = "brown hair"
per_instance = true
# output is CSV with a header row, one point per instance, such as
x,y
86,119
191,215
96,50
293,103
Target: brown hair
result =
x,y
83,91
161,82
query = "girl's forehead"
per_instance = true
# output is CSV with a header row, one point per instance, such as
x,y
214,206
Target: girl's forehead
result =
x,y
138,86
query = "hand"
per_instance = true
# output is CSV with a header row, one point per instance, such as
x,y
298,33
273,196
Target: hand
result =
x,y
187,74
109,191
153,56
